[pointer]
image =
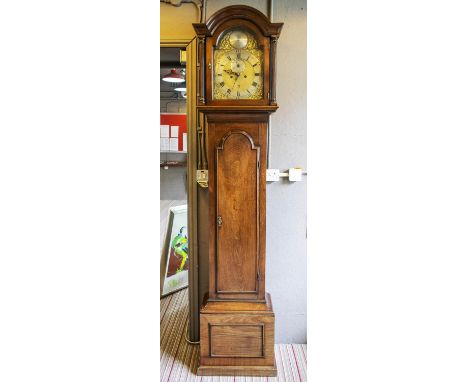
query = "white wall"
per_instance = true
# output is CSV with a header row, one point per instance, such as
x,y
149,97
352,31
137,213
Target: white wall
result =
x,y
286,202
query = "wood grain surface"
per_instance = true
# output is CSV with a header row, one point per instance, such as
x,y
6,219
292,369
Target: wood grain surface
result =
x,y
237,213
236,341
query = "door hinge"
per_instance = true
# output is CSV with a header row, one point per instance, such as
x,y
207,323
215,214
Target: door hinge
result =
x,y
258,276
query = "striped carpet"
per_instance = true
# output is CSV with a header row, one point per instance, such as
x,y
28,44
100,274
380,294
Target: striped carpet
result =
x,y
179,359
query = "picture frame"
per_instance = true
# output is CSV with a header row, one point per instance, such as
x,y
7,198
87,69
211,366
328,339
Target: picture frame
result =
x,y
174,257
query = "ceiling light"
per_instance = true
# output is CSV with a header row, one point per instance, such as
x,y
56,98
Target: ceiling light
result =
x,y
181,89
173,76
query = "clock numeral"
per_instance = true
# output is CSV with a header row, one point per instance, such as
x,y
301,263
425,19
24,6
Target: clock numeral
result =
x,y
221,84
238,56
238,93
229,58
229,91
220,75
257,74
254,65
254,84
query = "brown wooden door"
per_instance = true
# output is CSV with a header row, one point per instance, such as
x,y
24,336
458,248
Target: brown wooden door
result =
x,y
236,149
237,215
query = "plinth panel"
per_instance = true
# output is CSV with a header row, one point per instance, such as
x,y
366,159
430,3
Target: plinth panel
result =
x,y
237,339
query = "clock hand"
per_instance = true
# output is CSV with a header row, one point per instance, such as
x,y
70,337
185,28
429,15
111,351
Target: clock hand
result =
x,y
234,85
229,71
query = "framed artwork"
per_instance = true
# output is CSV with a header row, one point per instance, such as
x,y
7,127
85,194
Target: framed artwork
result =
x,y
174,258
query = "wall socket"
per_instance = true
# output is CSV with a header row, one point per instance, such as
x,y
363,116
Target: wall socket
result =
x,y
295,174
272,175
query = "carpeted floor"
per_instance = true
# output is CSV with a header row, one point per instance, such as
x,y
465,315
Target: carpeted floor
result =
x,y
179,359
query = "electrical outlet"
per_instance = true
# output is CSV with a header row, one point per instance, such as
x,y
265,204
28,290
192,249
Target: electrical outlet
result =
x,y
295,174
272,175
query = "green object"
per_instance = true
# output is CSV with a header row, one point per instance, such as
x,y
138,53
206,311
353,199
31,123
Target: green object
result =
x,y
180,245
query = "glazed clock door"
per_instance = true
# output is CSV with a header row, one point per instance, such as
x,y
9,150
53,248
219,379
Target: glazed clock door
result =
x,y
238,65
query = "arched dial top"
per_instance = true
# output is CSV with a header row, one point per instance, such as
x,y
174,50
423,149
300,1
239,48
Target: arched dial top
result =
x,y
238,66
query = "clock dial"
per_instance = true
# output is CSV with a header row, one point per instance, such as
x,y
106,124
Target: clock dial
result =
x,y
238,67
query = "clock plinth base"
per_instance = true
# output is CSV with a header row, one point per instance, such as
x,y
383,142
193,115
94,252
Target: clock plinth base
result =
x,y
244,371
237,338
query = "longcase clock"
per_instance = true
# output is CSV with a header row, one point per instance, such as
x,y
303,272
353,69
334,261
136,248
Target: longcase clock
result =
x,y
236,95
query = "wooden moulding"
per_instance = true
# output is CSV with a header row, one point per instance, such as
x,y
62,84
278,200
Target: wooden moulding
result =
x,y
238,109
238,12
253,371
245,307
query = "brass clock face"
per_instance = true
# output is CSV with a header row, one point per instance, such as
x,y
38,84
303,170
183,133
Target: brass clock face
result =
x,y
238,67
